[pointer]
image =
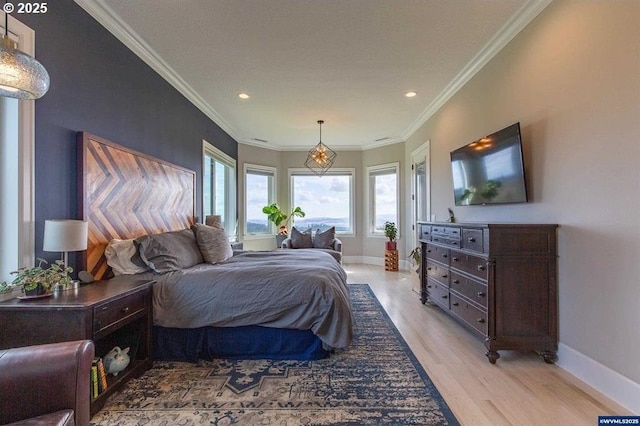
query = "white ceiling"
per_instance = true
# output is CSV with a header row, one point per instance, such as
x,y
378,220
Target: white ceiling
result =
x,y
348,62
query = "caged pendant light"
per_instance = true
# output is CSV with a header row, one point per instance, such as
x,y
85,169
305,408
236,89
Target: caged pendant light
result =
x,y
321,157
21,76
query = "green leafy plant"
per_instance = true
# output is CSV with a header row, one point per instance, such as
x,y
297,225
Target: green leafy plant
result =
x,y
279,218
416,255
390,230
30,278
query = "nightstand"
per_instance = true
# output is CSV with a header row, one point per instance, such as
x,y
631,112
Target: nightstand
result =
x,y
116,312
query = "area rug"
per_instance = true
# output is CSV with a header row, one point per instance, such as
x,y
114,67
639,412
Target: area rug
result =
x,y
377,381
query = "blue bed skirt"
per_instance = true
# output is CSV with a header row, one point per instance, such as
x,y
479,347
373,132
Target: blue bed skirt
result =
x,y
250,342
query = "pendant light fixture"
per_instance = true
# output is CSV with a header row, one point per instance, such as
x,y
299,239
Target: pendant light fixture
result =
x,y
321,157
21,76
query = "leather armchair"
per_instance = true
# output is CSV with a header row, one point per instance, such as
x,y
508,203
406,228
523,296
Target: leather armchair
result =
x,y
46,384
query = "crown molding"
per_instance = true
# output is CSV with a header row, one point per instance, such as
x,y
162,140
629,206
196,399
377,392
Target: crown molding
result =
x,y
123,32
509,30
274,147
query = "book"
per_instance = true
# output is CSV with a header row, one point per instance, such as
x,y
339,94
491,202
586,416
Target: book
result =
x,y
102,376
94,381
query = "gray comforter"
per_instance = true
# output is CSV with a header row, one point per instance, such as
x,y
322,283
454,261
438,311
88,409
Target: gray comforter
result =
x,y
299,289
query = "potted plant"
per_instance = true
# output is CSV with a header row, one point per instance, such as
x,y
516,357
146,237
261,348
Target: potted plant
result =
x,y
391,232
416,257
39,281
281,220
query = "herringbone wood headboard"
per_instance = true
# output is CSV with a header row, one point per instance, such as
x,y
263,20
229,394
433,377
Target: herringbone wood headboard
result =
x,y
126,194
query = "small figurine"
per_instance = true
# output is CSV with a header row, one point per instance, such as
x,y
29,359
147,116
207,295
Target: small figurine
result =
x,y
116,360
452,218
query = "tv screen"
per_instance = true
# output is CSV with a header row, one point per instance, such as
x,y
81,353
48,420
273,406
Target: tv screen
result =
x,y
490,170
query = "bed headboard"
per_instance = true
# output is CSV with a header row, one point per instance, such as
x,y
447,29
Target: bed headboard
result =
x,y
125,194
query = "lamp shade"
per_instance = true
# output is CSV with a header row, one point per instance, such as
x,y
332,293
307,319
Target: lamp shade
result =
x,y
65,235
21,76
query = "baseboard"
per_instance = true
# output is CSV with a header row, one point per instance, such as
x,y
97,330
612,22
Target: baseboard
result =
x,y
614,385
403,265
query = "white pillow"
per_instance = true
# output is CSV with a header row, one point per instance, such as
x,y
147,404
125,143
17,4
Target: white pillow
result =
x,y
121,255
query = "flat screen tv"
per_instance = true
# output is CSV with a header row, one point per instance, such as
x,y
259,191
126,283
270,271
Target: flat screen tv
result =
x,y
490,170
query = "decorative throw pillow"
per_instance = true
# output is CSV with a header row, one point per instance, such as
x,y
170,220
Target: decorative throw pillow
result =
x,y
213,242
301,239
123,257
169,251
324,240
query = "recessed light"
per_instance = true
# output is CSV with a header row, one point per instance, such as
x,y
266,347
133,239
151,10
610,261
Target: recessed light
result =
x,y
411,94
243,95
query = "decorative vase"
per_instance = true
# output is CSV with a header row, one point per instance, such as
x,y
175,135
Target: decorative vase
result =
x,y
390,245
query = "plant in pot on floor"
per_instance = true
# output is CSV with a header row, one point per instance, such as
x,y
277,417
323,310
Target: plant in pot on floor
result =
x,y
281,220
416,257
40,281
391,232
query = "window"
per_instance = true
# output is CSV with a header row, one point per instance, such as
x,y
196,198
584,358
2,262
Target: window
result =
x,y
219,186
327,200
383,189
259,191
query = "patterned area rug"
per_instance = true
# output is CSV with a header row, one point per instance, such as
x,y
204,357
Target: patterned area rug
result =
x,y
377,381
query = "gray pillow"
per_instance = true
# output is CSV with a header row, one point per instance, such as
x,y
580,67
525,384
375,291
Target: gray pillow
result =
x,y
301,239
324,240
169,251
213,242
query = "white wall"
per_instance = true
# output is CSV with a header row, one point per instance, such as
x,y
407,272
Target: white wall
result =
x,y
572,80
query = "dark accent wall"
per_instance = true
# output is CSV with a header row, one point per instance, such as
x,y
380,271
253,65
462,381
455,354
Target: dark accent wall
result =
x,y
98,85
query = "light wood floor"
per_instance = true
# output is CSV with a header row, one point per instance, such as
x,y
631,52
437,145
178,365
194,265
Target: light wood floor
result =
x,y
520,389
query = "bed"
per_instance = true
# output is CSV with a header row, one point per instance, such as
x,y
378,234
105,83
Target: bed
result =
x,y
266,304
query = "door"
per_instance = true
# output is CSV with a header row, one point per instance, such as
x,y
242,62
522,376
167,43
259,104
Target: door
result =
x,y
420,197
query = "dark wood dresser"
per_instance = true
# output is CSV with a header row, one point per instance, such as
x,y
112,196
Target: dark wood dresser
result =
x,y
498,280
117,312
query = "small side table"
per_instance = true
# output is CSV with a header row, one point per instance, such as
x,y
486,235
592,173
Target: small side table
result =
x,y
391,260
116,312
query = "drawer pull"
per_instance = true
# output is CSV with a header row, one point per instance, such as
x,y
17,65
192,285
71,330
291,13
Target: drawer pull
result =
x,y
481,294
445,296
444,255
454,258
456,281
428,268
481,268
444,276
124,310
455,303
428,250
480,320
471,240
429,286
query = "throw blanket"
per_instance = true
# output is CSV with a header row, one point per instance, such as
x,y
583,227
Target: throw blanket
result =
x,y
299,289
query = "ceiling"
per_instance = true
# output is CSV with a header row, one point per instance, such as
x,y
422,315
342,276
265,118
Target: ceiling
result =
x,y
347,62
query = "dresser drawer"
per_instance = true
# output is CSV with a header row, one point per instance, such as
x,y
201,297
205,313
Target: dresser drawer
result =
x,y
112,313
438,273
469,313
424,232
471,289
473,265
438,293
437,253
472,240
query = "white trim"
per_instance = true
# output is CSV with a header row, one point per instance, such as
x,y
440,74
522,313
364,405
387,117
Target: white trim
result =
x,y
370,198
614,385
518,21
26,168
272,199
421,152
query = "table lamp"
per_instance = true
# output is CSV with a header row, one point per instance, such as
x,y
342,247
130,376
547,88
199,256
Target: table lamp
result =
x,y
65,236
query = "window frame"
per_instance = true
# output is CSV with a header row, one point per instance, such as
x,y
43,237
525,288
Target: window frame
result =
x,y
370,192
272,198
230,207
337,171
